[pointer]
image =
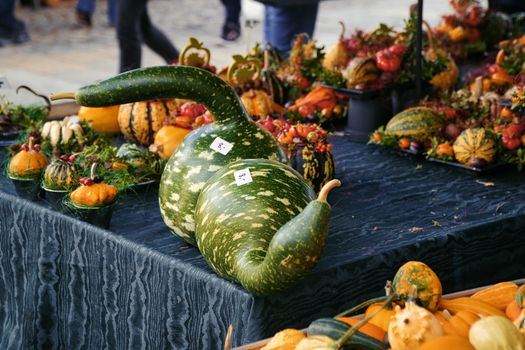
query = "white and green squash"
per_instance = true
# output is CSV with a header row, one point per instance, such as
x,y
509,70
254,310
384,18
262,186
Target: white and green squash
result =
x,y
265,234
194,162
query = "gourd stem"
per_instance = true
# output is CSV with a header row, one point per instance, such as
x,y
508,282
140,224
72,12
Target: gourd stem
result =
x,y
363,305
62,96
343,29
92,171
31,143
330,185
353,330
266,59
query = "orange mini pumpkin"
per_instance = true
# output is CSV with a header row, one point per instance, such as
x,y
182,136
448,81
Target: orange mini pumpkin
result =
x,y
29,162
93,192
101,119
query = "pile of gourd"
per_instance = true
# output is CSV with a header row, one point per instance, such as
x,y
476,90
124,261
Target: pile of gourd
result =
x,y
226,188
415,317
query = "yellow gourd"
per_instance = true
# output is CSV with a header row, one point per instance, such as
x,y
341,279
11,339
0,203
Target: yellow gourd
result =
x,y
167,140
337,56
101,119
495,333
498,295
285,340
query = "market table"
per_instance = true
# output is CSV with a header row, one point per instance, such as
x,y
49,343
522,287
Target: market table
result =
x,y
70,285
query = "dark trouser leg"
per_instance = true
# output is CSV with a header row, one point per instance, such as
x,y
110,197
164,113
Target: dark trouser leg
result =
x,y
283,23
8,22
233,10
129,35
157,41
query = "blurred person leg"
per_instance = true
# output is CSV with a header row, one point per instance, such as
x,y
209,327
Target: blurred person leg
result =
x,y
133,27
283,23
129,35
157,40
231,29
12,31
112,12
85,10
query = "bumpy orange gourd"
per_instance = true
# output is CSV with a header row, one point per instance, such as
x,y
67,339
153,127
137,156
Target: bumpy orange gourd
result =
x,y
448,342
167,140
429,288
29,162
93,193
101,119
140,121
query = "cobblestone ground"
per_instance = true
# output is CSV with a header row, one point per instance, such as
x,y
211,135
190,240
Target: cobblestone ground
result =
x,y
60,57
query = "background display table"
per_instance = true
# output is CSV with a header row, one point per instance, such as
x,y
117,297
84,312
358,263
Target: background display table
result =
x,y
66,284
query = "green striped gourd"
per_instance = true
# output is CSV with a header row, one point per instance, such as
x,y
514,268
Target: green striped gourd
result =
x,y
318,167
361,70
474,143
194,162
416,123
265,234
335,329
60,175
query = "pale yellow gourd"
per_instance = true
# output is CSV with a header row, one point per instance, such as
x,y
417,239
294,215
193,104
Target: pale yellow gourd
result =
x,y
495,333
412,326
286,339
317,342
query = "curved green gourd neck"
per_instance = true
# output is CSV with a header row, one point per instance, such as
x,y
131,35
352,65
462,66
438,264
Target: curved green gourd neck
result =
x,y
165,82
293,251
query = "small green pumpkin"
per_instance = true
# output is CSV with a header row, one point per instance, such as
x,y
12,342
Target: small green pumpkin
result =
x,y
133,155
60,175
474,144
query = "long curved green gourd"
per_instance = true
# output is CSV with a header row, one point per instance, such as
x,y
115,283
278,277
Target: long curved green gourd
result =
x,y
266,234
194,162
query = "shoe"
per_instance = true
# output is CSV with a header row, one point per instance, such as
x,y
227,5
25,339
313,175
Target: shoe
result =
x,y
84,19
231,31
18,36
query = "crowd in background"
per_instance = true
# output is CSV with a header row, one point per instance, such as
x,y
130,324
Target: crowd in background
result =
x,y
283,20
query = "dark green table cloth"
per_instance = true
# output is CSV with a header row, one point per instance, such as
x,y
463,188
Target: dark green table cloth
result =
x,y
67,285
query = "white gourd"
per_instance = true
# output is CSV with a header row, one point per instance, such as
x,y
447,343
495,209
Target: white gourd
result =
x,y
495,333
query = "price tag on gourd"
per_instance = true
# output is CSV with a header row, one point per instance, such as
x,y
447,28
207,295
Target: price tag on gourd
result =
x,y
242,177
221,146
4,84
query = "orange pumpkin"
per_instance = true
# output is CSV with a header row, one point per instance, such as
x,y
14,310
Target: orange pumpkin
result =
x,y
257,103
382,319
445,150
140,121
29,162
101,119
445,342
404,143
460,323
167,140
368,328
93,192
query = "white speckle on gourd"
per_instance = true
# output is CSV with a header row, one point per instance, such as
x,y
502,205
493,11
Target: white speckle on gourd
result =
x,y
171,206
257,173
221,218
249,198
267,193
213,168
270,210
239,235
264,216
175,197
285,201
175,169
238,215
256,224
207,155
291,212
197,187
190,226
246,143
192,171
259,136
189,218
290,174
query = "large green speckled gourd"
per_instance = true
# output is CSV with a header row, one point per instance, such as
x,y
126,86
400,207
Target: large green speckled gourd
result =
x,y
266,234
194,162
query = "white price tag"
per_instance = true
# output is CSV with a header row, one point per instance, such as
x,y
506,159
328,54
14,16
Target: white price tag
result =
x,y
243,177
221,146
4,84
